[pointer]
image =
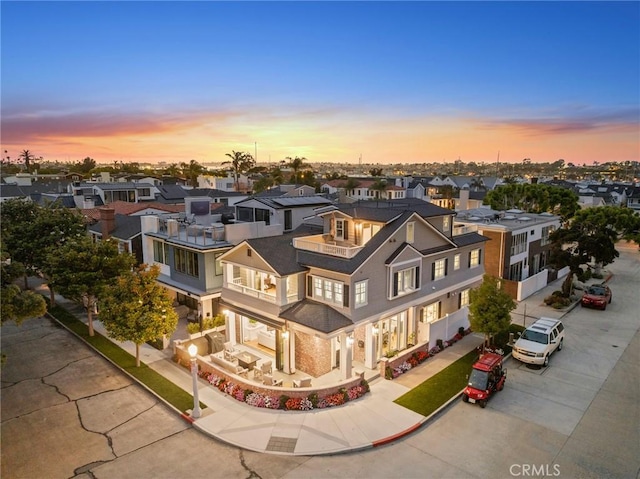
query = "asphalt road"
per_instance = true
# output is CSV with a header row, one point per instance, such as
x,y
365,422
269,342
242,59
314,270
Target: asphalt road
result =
x,y
66,412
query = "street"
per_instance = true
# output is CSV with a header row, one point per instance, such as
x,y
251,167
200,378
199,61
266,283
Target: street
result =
x,y
66,412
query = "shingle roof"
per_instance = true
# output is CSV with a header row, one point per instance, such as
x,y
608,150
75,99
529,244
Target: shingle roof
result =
x,y
279,252
317,316
126,227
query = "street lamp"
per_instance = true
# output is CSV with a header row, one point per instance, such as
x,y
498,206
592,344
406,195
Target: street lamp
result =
x,y
193,351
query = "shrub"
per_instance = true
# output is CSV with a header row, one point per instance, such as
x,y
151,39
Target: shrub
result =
x,y
440,344
193,328
461,330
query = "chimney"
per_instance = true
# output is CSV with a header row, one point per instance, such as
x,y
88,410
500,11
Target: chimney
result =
x,y
464,199
107,221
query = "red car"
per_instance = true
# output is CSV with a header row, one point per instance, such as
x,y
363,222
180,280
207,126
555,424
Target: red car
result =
x,y
487,377
597,296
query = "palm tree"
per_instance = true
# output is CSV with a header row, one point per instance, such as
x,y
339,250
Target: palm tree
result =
x,y
378,186
27,157
192,170
297,164
240,162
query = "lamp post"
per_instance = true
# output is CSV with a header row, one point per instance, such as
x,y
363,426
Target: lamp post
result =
x,y
193,351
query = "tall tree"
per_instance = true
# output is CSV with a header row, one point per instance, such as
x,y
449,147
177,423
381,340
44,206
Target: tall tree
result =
x,y
137,309
296,164
379,186
82,270
191,171
27,157
490,308
591,235
240,162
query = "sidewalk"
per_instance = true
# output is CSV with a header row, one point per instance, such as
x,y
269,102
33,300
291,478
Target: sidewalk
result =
x,y
370,421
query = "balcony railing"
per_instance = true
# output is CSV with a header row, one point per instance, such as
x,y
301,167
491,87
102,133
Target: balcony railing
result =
x,y
464,229
317,244
256,293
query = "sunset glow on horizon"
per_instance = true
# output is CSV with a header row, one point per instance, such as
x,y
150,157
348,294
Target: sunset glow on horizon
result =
x,y
387,82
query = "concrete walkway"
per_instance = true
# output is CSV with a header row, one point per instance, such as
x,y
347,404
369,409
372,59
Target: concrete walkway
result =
x,y
364,423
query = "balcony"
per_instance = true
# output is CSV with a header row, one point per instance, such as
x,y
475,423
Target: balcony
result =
x,y
269,295
464,229
320,244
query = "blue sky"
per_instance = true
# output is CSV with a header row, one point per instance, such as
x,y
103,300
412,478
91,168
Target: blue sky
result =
x,y
391,81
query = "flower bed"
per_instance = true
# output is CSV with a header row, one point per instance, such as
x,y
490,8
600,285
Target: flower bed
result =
x,y
392,368
271,401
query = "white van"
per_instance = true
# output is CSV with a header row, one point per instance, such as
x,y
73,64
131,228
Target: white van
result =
x,y
539,341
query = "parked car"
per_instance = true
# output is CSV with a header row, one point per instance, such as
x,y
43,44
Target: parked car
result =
x,y
486,378
597,296
539,341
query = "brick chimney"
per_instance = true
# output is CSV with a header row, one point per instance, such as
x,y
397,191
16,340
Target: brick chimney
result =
x,y
107,221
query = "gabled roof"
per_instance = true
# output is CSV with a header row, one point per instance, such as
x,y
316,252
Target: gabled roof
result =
x,y
317,316
173,193
279,252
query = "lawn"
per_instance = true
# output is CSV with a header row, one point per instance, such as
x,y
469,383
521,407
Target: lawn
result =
x,y
427,397
162,387
438,389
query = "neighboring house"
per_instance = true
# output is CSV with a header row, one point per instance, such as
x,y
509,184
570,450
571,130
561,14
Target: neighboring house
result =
x,y
227,183
373,279
365,189
466,199
633,200
520,247
187,248
88,194
288,211
227,198
123,229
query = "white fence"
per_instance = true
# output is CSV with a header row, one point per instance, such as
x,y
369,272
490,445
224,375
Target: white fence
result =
x,y
445,328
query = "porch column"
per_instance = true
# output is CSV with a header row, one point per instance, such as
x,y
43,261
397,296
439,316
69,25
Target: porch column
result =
x,y
370,347
230,326
346,345
288,352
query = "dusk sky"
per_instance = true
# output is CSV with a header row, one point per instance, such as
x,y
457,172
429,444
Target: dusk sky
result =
x,y
329,81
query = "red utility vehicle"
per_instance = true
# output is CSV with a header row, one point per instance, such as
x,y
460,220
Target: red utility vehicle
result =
x,y
487,377
597,296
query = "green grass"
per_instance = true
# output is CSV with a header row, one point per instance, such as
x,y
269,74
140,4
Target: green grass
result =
x,y
438,389
164,388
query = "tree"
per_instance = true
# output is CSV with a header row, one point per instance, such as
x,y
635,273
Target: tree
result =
x,y
296,164
85,166
16,304
534,198
27,157
137,309
191,171
378,186
240,162
490,308
31,232
591,235
376,172
82,270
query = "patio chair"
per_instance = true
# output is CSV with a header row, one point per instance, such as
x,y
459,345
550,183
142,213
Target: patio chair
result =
x,y
257,372
302,383
266,367
269,381
228,347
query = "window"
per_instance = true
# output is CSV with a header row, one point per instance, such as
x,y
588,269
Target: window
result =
x,y
218,264
474,258
515,271
445,224
546,232
160,252
464,298
431,313
263,215
410,232
361,293
342,229
518,244
186,262
456,262
288,219
329,291
439,269
405,281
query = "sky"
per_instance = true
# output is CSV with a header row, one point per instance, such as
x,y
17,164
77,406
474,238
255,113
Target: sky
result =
x,y
333,81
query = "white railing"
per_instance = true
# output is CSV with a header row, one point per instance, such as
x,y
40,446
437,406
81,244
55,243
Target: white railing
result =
x,y
326,248
463,230
236,284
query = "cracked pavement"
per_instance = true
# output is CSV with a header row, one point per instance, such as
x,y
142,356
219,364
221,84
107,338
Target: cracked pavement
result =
x,y
68,413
